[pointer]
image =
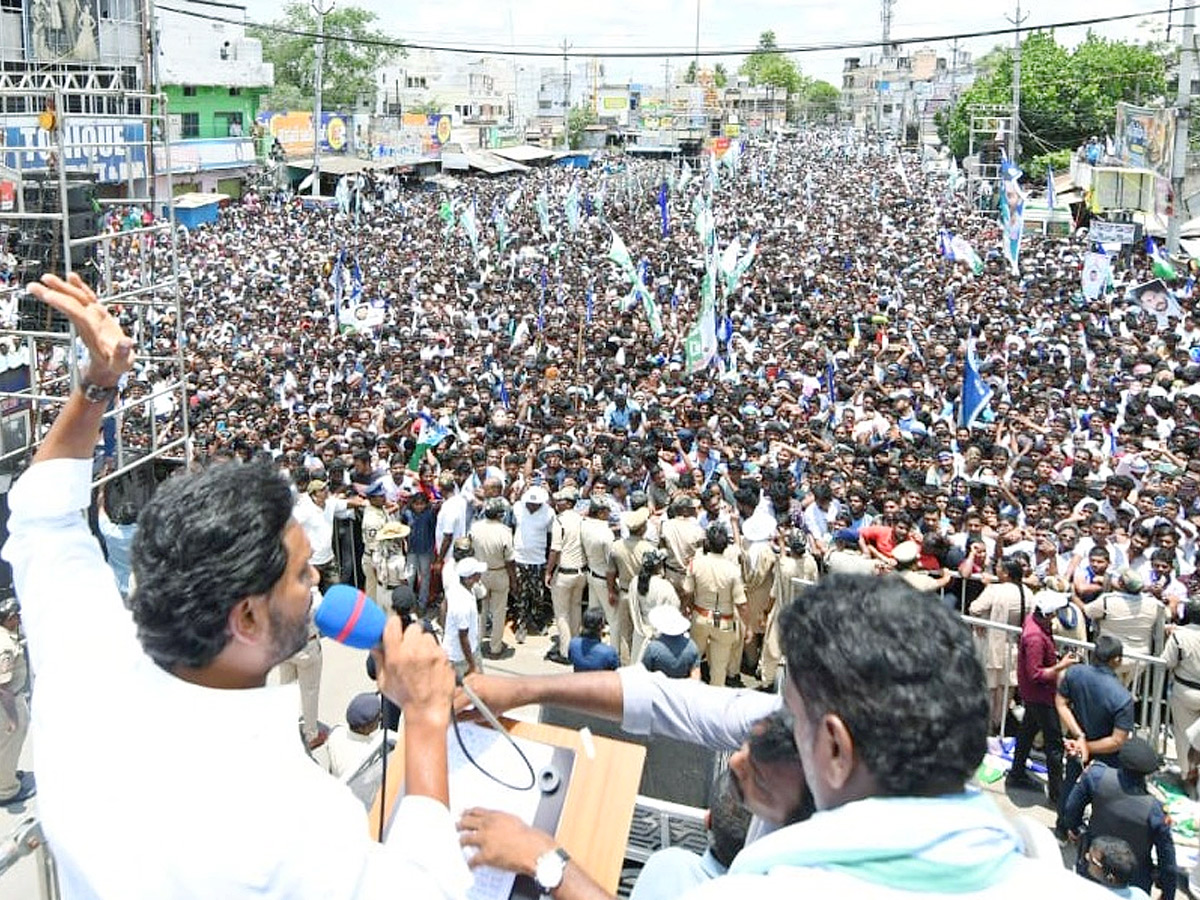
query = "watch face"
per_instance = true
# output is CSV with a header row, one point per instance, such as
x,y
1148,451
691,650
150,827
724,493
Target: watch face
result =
x,y
549,873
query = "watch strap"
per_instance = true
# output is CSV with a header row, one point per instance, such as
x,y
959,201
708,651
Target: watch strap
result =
x,y
96,393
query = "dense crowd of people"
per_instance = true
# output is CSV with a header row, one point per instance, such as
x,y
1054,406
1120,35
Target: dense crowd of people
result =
x,y
487,417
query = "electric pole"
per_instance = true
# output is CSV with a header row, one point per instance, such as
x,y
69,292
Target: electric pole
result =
x,y
697,40
1014,135
322,8
566,96
1183,104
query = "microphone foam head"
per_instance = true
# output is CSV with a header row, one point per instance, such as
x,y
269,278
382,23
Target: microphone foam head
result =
x,y
350,617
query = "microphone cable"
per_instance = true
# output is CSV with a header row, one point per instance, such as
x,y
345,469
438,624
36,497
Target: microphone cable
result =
x,y
492,720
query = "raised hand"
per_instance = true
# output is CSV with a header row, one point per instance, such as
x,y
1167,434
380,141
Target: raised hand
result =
x,y
111,351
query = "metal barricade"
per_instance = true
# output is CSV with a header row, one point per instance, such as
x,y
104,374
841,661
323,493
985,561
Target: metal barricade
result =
x,y
26,840
1149,684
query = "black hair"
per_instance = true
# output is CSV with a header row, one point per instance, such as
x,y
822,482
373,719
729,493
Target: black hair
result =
x,y
652,563
728,821
205,542
593,622
901,672
716,538
1118,862
1107,649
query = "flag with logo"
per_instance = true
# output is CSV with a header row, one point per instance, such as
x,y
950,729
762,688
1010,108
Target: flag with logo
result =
x,y
511,201
962,251
446,214
1160,262
685,175
976,393
619,254
1012,213
470,227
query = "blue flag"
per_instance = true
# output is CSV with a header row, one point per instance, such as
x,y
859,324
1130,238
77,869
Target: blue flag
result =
x,y
664,212
503,392
976,393
591,302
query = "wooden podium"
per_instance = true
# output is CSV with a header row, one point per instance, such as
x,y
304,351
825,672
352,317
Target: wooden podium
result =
x,y
594,825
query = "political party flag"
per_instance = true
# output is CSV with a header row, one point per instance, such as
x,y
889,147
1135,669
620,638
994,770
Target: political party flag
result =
x,y
976,393
471,227
542,205
1012,213
830,379
501,222
446,214
728,264
1096,273
1051,199
619,254
571,207
432,434
685,175
903,174
511,201
503,391
664,210
962,251
701,344
356,283
1162,266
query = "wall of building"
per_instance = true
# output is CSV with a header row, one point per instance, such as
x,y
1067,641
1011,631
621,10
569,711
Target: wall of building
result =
x,y
193,51
203,111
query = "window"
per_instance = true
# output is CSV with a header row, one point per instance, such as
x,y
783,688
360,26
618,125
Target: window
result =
x,y
233,92
10,5
189,125
189,90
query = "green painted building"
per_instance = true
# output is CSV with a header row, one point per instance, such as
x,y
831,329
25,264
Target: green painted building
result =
x,y
207,111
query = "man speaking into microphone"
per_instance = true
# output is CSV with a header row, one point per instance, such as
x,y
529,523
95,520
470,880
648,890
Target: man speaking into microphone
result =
x,y
195,783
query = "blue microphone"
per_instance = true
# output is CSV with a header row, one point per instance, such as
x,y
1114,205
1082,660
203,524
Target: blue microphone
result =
x,y
350,617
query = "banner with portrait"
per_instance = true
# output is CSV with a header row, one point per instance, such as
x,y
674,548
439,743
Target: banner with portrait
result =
x,y
1145,138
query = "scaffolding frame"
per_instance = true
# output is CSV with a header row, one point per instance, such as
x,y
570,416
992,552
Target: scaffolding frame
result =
x,y
134,271
987,122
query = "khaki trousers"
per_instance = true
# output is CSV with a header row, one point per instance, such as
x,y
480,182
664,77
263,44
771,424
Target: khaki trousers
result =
x,y
10,747
495,581
566,595
716,643
598,596
305,667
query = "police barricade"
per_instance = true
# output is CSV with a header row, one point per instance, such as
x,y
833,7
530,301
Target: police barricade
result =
x,y
27,840
1148,685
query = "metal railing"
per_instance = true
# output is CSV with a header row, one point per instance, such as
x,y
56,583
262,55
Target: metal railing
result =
x,y
1152,711
27,840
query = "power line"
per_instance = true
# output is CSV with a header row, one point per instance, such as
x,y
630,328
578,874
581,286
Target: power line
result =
x,y
584,52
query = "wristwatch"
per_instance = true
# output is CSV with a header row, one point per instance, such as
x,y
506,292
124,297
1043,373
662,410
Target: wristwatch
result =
x,y
549,870
95,393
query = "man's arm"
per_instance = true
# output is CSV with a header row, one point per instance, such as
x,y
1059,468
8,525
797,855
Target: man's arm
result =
x,y
505,842
1164,849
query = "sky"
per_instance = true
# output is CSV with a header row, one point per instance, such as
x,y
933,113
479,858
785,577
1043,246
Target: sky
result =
x,y
671,24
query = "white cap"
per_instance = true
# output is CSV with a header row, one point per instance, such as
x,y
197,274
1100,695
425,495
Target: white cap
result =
x,y
465,568
1050,602
666,619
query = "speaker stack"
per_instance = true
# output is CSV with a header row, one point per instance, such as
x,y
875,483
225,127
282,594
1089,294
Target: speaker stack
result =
x,y
38,245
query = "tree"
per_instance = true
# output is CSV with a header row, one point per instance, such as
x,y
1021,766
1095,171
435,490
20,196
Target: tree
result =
x,y
720,75
578,119
690,75
1066,96
821,100
767,66
353,52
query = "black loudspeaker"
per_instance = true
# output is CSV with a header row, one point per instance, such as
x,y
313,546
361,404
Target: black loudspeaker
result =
x,y
38,245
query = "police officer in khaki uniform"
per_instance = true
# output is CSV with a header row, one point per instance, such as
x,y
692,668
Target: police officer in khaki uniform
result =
x,y
681,535
492,544
566,575
597,539
759,564
797,562
717,596
374,517
625,562
15,787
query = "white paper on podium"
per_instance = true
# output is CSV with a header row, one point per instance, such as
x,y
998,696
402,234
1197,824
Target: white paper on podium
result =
x,y
470,787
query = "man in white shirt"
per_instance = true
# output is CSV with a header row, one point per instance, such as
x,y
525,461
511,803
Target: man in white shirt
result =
x,y
238,809
533,517
315,510
461,638
349,745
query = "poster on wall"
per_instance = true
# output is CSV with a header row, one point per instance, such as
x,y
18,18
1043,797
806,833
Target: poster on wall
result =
x,y
293,129
415,135
62,30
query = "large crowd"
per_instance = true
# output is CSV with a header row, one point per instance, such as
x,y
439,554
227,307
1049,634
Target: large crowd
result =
x,y
487,415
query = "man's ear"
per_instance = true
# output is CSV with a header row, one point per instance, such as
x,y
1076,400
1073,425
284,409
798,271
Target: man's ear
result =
x,y
839,751
248,619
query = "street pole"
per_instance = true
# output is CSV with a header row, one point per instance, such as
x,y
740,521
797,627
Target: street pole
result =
x,y
697,40
322,9
1183,104
566,97
1014,129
